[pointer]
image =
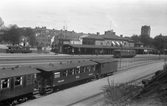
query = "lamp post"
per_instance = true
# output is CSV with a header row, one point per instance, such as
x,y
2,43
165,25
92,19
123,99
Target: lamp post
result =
x,y
120,55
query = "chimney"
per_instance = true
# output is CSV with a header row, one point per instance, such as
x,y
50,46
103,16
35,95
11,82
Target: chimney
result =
x,y
121,35
98,33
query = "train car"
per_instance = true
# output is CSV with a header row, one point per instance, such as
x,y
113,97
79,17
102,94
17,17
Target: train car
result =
x,y
53,76
16,84
105,67
18,49
124,53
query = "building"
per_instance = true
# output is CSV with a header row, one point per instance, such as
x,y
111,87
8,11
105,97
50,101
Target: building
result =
x,y
99,44
145,30
65,38
44,39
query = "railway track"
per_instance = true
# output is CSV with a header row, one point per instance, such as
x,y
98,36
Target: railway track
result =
x,y
37,95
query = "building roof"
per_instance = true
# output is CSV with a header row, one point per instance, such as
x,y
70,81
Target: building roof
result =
x,y
106,36
97,46
90,46
12,72
62,66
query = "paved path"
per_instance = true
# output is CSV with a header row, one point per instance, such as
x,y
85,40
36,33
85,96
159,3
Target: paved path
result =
x,y
78,93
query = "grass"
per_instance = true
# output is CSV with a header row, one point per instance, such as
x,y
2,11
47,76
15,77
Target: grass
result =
x,y
120,94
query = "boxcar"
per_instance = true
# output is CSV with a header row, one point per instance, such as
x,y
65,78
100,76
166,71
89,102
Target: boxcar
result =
x,y
16,83
105,67
124,53
18,49
54,75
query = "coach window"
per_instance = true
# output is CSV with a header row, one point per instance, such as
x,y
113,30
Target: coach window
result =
x,y
73,71
82,69
78,70
70,72
4,83
29,79
18,81
89,68
56,74
93,68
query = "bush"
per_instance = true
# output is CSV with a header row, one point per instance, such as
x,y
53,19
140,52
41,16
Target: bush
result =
x,y
165,66
117,95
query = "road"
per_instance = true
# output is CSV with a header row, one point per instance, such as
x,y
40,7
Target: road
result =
x,y
74,96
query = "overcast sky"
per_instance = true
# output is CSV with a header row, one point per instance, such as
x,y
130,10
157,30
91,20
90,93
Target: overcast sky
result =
x,y
90,16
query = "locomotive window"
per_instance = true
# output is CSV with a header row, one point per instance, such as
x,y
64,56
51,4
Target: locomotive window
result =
x,y
4,83
29,79
18,81
56,74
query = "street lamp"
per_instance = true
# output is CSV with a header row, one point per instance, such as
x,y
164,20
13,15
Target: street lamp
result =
x,y
121,55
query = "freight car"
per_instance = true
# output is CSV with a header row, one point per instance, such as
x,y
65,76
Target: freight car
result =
x,y
19,83
18,49
16,84
124,53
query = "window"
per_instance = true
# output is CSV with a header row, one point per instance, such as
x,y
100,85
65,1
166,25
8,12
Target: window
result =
x,y
65,73
73,71
18,81
83,69
70,72
4,83
93,67
56,74
78,70
35,76
89,68
29,79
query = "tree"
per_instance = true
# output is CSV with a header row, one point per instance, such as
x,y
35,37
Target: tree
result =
x,y
30,34
145,39
12,35
160,42
135,38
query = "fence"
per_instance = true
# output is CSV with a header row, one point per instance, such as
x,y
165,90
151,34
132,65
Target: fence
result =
x,y
133,63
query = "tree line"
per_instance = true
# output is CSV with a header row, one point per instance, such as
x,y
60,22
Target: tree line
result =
x,y
13,34
159,42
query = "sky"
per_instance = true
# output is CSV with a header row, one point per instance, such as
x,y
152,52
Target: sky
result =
x,y
124,17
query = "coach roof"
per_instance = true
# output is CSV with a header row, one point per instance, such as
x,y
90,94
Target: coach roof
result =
x,y
61,66
19,71
104,60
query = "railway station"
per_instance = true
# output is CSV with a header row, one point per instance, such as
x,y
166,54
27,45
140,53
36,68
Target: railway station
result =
x,y
83,53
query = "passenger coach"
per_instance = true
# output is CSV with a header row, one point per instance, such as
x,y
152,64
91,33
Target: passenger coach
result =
x,y
53,76
124,53
16,83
